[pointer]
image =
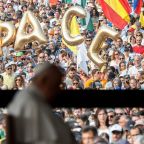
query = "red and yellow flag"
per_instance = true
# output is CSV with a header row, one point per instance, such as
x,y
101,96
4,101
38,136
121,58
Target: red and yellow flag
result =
x,y
117,11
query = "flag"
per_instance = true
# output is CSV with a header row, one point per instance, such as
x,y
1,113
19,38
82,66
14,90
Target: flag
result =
x,y
141,20
117,11
90,26
67,1
74,31
82,58
137,5
82,3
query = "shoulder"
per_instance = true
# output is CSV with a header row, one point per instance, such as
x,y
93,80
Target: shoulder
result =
x,y
21,99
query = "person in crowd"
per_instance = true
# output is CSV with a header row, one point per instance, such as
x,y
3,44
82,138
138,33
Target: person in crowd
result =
x,y
89,135
138,48
8,76
102,121
19,83
117,133
111,116
33,109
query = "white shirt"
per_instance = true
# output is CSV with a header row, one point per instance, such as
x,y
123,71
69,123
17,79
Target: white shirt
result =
x,y
133,71
34,121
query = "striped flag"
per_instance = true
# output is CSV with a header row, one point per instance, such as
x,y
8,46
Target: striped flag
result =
x,y
137,5
117,11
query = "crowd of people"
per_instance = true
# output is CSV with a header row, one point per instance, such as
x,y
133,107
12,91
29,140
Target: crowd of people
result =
x,y
98,125
125,64
105,125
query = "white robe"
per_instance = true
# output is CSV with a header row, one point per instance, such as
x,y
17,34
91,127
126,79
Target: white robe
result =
x,y
34,121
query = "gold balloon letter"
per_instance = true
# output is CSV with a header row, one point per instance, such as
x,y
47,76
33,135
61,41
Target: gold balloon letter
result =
x,y
37,34
10,32
98,44
70,13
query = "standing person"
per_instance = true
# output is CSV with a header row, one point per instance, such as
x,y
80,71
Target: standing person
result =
x,y
31,119
102,121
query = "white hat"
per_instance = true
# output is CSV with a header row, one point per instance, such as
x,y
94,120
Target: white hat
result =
x,y
116,127
7,65
139,122
12,63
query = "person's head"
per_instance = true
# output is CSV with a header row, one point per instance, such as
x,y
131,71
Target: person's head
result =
x,y
117,83
123,120
111,116
19,81
119,112
137,60
41,58
71,72
134,132
89,134
122,58
119,42
30,67
88,41
129,138
101,117
76,83
115,55
56,34
132,40
77,113
139,34
140,123
117,132
47,79
83,120
135,117
96,74
122,66
51,46
138,40
57,14
133,83
8,69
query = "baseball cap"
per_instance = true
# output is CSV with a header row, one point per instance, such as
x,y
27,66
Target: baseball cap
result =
x,y
7,65
116,127
139,122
